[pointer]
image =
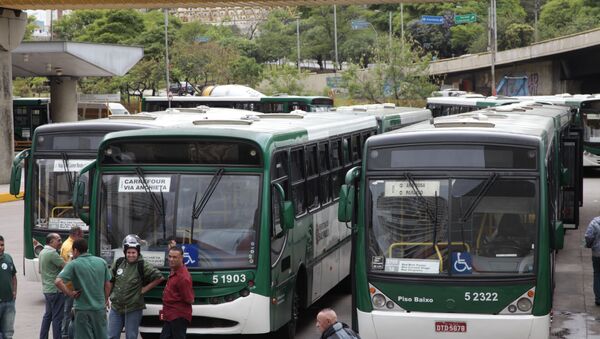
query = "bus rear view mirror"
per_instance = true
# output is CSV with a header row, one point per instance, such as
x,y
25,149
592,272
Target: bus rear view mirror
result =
x,y
15,173
346,203
286,208
288,215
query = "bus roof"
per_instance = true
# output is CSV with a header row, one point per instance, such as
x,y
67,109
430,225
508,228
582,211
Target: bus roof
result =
x,y
191,98
498,124
407,115
476,100
282,129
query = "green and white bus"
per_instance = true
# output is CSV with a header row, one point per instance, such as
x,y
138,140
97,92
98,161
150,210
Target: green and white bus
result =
x,y
457,225
58,151
450,105
251,199
265,104
389,116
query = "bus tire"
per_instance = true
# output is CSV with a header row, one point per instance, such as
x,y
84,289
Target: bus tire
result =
x,y
288,331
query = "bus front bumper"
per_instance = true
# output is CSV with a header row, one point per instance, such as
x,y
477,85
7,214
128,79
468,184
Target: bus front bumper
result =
x,y
246,315
384,325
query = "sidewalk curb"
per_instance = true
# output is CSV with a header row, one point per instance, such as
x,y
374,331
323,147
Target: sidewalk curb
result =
x,y
7,197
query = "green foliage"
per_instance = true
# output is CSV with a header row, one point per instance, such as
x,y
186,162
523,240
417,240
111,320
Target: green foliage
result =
x,y
30,87
400,72
284,79
30,27
563,17
518,35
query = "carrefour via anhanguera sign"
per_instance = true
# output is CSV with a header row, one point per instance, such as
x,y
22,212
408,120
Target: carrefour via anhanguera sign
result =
x,y
465,18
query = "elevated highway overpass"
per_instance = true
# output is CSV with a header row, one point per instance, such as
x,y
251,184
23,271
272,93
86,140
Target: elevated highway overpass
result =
x,y
566,64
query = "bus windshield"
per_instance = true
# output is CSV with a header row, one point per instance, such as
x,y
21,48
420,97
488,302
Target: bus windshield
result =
x,y
591,127
475,227
214,216
53,192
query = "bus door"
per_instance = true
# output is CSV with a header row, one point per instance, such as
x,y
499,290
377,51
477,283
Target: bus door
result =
x,y
571,163
576,130
282,284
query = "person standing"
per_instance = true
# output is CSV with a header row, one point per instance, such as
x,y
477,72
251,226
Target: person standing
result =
x,y
331,328
66,252
8,293
50,265
592,240
91,282
129,277
178,297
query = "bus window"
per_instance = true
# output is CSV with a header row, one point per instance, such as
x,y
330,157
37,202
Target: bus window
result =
x,y
279,174
346,150
356,144
312,177
298,190
337,174
324,167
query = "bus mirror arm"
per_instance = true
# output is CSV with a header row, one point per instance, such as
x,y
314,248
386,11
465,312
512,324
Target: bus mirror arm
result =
x,y
16,170
286,208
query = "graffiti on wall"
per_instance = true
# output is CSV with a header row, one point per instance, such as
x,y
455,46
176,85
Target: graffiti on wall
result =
x,y
532,85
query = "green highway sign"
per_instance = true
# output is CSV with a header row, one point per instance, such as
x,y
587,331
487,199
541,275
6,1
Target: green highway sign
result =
x,y
465,18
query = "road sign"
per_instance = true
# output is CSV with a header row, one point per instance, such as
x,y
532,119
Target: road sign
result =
x,y
359,24
202,39
432,20
465,18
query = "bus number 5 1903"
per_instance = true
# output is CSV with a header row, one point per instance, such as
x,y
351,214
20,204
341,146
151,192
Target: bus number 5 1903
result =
x,y
229,278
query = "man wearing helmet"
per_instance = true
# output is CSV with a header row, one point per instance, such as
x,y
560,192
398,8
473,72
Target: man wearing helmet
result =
x,y
132,278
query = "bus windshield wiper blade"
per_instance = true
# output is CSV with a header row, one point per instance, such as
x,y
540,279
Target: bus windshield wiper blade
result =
x,y
158,204
65,161
198,206
486,186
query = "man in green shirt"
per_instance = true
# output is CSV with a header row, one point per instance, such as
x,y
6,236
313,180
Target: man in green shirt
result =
x,y
132,278
8,293
50,265
91,283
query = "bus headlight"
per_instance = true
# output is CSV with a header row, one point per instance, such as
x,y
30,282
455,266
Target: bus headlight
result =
x,y
379,300
524,304
389,304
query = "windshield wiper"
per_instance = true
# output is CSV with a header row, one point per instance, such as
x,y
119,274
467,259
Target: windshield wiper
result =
x,y
69,174
198,206
432,217
158,204
486,186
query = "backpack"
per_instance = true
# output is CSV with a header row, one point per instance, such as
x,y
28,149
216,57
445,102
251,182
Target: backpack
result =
x,y
140,268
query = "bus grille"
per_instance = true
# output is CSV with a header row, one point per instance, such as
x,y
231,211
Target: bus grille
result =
x,y
197,322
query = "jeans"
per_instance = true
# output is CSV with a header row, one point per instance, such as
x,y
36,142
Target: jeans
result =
x,y
67,316
596,264
131,321
174,329
7,319
55,304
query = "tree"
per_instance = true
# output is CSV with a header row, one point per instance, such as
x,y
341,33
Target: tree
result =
x,y
30,27
400,72
284,79
563,17
276,39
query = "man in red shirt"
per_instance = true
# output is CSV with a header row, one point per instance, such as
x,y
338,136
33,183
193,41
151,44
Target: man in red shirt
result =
x,y
178,298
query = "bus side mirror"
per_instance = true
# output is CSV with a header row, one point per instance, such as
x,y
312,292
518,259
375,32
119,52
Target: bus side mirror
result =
x,y
559,235
15,172
79,193
286,209
288,215
346,203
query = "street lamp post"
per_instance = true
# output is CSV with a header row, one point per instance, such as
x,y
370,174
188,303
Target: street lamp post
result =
x,y
337,62
167,55
298,39
493,43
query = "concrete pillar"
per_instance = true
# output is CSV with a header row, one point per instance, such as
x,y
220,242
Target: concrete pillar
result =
x,y
12,29
63,99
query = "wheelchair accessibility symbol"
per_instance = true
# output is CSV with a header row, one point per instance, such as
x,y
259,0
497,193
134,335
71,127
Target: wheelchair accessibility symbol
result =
x,y
190,255
462,263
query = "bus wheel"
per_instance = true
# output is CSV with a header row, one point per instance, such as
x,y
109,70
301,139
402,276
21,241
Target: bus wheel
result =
x,y
288,331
